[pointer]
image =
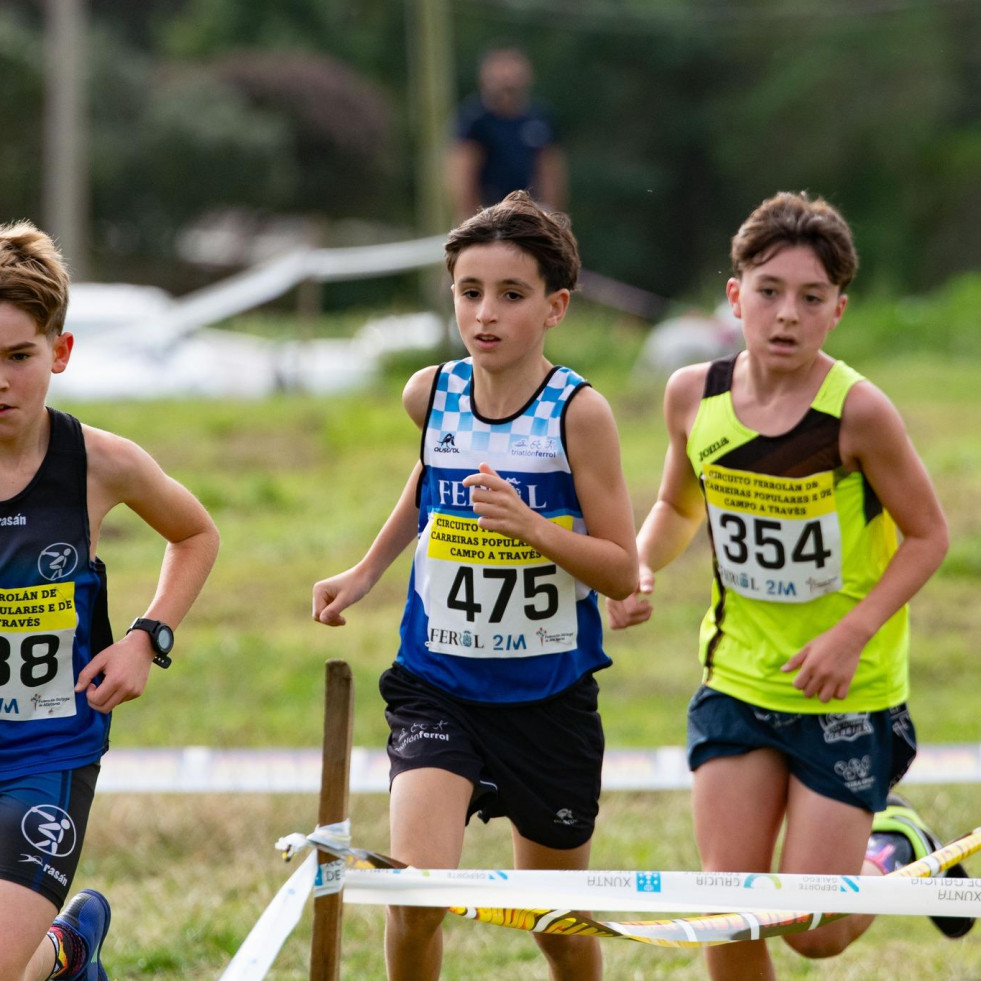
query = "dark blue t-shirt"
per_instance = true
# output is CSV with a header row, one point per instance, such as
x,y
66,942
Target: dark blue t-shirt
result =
x,y
510,144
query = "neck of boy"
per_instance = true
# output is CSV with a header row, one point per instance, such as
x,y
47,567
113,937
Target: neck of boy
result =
x,y
21,455
500,394
772,402
766,382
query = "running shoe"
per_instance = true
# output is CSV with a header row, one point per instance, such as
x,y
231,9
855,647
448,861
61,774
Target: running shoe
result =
x,y
900,836
87,916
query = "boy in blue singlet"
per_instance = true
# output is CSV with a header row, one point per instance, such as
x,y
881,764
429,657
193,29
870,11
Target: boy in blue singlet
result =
x,y
520,516
804,471
61,674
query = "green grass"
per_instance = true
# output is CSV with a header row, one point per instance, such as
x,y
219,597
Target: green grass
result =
x,y
298,487
189,876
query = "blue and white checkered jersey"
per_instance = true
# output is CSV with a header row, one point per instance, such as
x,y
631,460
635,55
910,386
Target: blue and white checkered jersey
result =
x,y
488,618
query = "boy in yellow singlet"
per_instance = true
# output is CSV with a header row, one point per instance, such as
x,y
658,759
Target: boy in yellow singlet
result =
x,y
804,472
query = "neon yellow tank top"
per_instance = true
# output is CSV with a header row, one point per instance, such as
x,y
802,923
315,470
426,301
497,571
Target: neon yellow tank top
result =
x,y
797,543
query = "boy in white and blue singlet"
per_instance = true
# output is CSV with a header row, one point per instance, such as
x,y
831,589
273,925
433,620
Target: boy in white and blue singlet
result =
x,y
61,674
520,516
804,472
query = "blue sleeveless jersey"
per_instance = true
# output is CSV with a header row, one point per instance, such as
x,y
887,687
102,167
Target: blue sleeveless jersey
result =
x,y
488,618
53,615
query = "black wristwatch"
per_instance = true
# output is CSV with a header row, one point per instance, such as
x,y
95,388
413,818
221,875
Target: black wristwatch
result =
x,y
161,639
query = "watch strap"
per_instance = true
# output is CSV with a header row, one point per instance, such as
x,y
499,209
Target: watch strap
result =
x,y
160,658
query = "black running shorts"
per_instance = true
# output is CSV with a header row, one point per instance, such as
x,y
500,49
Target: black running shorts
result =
x,y
538,764
43,817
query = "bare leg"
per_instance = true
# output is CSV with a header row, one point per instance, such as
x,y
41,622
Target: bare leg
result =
x,y
26,954
826,837
427,818
738,805
569,958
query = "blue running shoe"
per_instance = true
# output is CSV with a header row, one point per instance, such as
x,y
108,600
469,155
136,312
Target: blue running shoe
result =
x,y
87,916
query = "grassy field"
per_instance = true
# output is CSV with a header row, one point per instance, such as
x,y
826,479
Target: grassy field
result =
x,y
298,487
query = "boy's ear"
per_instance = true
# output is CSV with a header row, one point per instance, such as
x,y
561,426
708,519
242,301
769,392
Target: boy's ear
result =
x,y
62,350
732,293
558,303
839,309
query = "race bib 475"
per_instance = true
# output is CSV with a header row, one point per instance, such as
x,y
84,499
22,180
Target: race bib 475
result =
x,y
488,595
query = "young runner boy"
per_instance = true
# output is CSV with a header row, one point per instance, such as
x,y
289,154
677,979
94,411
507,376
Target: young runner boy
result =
x,y
805,471
61,674
520,514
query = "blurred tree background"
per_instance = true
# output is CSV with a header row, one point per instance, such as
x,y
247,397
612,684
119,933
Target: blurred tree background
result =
x,y
678,116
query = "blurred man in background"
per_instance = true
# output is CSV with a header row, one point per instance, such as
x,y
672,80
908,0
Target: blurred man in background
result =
x,y
504,140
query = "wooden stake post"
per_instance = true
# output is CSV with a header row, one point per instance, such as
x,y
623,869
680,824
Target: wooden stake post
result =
x,y
335,775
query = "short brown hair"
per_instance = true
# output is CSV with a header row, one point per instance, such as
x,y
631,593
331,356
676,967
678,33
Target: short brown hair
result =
x,y
796,219
33,276
517,220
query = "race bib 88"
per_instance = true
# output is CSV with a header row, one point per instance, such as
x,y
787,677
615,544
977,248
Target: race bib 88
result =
x,y
37,630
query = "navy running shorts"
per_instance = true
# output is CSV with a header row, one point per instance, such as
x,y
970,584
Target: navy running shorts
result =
x,y
43,817
538,764
853,757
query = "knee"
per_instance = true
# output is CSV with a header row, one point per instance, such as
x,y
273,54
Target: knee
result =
x,y
817,944
579,953
415,920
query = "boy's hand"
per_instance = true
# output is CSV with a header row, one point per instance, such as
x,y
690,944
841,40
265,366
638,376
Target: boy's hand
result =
x,y
330,596
635,608
825,667
498,504
125,667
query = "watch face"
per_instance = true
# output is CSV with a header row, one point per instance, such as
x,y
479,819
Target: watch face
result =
x,y
165,639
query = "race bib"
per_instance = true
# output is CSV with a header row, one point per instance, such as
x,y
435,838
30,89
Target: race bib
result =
x,y
775,538
37,631
487,595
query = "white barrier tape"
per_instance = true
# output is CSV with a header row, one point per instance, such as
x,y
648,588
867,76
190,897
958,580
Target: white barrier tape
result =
x,y
486,891
332,837
277,922
656,892
330,878
201,769
292,844
252,287
335,838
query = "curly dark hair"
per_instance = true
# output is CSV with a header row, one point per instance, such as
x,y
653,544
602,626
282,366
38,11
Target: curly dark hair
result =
x,y
519,221
796,219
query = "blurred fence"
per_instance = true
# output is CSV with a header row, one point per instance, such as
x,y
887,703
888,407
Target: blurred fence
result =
x,y
202,769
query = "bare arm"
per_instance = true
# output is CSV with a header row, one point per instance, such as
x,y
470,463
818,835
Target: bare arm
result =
x,y
678,511
120,472
464,159
551,178
333,595
605,559
874,440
